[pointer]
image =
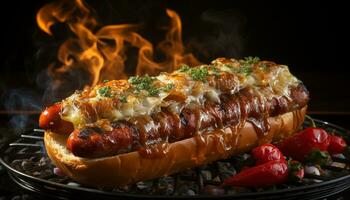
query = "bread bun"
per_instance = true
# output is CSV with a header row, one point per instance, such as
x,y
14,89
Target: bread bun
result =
x,y
131,167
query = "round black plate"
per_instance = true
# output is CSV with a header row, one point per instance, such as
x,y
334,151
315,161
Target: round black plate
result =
x,y
63,191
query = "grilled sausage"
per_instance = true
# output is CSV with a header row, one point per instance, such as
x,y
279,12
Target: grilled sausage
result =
x,y
51,120
140,133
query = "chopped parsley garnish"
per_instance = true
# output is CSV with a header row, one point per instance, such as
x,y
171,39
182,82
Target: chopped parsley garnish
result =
x,y
105,81
184,68
146,83
105,91
251,60
168,87
123,99
264,67
246,65
246,69
197,74
154,91
142,83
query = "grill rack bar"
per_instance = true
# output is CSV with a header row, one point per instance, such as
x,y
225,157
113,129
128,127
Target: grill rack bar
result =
x,y
32,137
25,144
38,130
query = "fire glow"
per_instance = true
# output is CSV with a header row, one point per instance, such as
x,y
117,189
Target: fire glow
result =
x,y
103,52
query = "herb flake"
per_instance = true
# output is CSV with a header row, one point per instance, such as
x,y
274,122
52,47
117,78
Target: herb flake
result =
x,y
264,67
105,91
184,68
197,74
153,91
142,83
246,70
246,65
251,60
146,83
123,99
168,87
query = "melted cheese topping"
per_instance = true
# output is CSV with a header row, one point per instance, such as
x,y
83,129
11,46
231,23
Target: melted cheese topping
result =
x,y
121,99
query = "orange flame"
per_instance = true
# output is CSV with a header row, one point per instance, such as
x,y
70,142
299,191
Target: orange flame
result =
x,y
103,52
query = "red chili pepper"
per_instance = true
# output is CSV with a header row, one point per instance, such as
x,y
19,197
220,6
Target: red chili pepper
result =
x,y
270,173
299,174
337,144
265,153
296,170
301,144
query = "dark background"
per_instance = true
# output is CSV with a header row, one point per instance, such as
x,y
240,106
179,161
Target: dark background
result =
x,y
308,37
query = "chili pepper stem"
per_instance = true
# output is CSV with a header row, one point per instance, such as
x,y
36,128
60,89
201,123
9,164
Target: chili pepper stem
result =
x,y
311,120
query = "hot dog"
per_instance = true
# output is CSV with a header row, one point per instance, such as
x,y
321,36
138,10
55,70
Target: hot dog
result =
x,y
205,113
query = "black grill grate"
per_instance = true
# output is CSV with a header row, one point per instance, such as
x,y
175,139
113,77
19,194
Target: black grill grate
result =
x,y
28,165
